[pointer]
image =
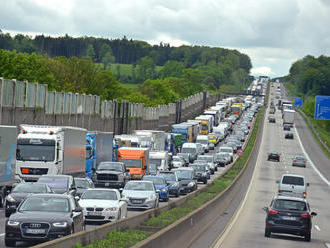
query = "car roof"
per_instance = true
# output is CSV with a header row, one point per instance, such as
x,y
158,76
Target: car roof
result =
x,y
153,176
293,175
293,198
57,176
102,189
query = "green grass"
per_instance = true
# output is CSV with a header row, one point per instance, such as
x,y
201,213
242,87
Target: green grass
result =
x,y
126,69
131,237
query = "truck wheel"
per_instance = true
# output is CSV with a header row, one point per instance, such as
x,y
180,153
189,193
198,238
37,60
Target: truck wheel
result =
x,y
205,181
10,243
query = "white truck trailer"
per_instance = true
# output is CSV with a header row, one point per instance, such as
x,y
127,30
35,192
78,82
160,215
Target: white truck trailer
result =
x,y
288,116
8,135
50,150
158,161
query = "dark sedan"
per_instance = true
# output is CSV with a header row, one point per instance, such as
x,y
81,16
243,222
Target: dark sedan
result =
x,y
289,215
172,181
271,119
288,135
286,127
43,217
274,156
20,192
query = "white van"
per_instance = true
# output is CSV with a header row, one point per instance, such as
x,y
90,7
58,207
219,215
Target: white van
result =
x,y
204,141
192,149
229,150
292,185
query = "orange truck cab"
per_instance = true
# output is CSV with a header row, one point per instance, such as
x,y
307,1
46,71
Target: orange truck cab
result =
x,y
136,159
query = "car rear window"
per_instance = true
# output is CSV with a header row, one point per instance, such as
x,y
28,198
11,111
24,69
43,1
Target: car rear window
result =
x,y
281,204
293,180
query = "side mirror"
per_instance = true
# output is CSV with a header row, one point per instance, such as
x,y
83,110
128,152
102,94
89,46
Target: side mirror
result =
x,y
307,184
265,209
121,190
78,209
93,169
313,214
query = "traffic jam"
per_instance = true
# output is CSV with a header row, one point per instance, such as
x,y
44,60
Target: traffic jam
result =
x,y
68,179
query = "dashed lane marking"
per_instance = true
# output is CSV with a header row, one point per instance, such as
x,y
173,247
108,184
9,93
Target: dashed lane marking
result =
x,y
317,227
2,234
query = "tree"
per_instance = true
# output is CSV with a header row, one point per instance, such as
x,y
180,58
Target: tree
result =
x,y
90,53
172,69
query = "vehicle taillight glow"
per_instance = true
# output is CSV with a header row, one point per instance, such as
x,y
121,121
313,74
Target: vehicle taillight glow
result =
x,y
304,162
304,194
272,211
279,191
305,215
24,131
294,160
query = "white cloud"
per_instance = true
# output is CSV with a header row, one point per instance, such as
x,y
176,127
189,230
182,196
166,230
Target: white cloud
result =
x,y
273,33
263,70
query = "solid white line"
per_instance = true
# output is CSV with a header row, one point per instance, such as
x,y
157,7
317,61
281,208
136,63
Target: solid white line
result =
x,y
2,234
311,162
317,227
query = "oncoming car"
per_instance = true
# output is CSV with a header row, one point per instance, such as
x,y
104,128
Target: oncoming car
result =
x,y
102,204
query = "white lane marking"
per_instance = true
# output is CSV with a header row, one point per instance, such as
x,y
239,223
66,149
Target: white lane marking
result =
x,y
327,244
311,162
317,227
2,234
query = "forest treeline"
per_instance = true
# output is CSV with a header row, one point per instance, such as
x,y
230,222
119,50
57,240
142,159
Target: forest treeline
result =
x,y
83,65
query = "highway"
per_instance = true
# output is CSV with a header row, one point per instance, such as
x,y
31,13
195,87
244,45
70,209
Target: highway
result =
x,y
247,226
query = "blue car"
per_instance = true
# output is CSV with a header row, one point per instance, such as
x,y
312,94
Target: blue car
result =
x,y
160,184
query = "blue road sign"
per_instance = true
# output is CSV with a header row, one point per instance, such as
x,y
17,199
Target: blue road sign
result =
x,y
322,108
298,102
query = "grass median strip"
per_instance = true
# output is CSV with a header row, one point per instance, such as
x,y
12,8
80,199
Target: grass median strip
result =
x,y
130,237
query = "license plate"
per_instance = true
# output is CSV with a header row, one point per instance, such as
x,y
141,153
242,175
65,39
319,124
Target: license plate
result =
x,y
288,218
136,201
94,213
35,231
107,184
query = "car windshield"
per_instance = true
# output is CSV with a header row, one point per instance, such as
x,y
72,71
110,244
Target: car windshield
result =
x,y
184,174
141,186
169,176
29,188
198,168
54,183
220,156
155,180
282,204
45,204
100,195
82,184
299,158
293,180
177,159
188,150
225,150
132,163
110,166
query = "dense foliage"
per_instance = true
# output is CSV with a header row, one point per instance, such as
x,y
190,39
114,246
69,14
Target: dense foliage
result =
x,y
100,66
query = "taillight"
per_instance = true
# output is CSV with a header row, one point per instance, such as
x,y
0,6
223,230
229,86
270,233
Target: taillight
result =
x,y
279,191
304,194
272,211
294,160
305,215
304,162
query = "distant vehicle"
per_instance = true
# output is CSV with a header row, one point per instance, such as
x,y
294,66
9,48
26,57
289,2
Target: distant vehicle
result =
x,y
83,184
192,149
111,175
185,156
228,150
272,110
274,156
172,181
271,119
43,217
299,161
210,160
293,185
160,185
204,140
222,159
141,194
286,127
187,179
201,172
20,192
60,184
103,205
289,215
288,135
178,162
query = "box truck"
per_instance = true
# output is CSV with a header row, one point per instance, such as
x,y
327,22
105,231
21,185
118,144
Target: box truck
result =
x,y
50,150
288,116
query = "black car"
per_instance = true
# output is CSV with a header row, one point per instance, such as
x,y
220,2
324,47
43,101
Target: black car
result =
x,y
60,184
172,181
83,184
289,215
43,217
20,192
286,127
201,172
187,179
274,156
271,119
288,136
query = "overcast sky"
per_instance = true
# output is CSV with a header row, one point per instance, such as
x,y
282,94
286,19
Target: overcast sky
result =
x,y
274,33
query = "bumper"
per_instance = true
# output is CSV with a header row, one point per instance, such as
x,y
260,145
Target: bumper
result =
x,y
163,195
114,184
102,216
295,230
144,205
186,190
174,191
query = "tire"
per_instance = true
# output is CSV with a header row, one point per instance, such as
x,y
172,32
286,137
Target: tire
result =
x,y
177,194
166,199
205,181
2,199
267,232
10,243
7,214
308,236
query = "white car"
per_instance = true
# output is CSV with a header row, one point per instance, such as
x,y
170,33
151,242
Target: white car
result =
x,y
141,194
228,150
101,204
178,162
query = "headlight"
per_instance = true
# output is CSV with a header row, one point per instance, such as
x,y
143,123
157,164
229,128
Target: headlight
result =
x,y
163,190
10,198
60,224
191,184
12,223
111,209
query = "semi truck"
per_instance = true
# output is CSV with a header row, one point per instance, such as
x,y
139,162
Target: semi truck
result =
x,y
136,160
50,150
186,131
8,136
207,123
99,148
288,116
158,138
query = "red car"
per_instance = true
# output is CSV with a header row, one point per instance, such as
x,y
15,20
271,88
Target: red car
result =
x,y
274,156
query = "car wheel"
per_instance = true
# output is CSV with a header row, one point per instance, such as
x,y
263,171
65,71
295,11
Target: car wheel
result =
x,y
177,194
7,213
267,232
308,236
216,168
10,243
166,199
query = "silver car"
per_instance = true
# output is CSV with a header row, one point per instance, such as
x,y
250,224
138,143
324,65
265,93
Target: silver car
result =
x,y
140,194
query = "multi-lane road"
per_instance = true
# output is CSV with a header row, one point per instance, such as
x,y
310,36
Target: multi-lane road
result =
x,y
247,226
